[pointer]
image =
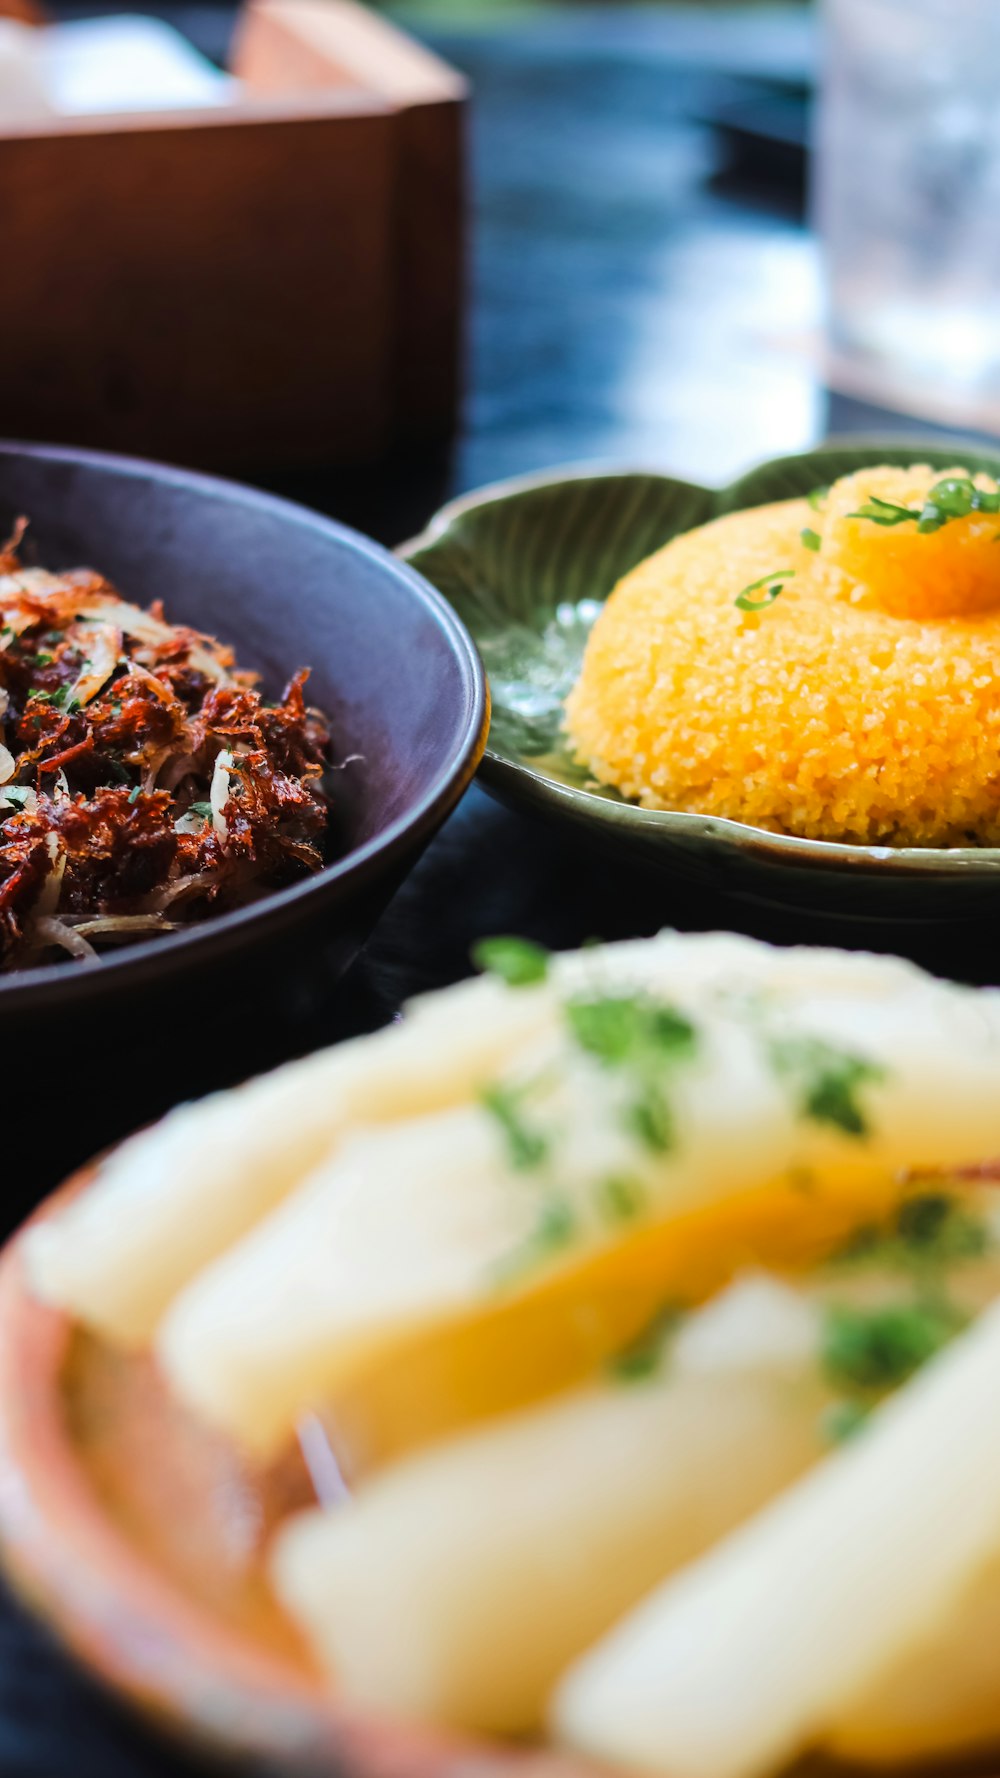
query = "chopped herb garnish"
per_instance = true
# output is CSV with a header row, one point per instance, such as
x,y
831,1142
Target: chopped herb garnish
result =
x,y
875,1350
884,512
642,1037
936,1224
811,539
15,793
927,1232
649,1117
621,1198
773,583
8,630
843,1420
41,660
556,1225
527,1147
555,1229
57,698
135,794
642,1357
954,497
826,1080
518,961
817,497
626,1028
205,810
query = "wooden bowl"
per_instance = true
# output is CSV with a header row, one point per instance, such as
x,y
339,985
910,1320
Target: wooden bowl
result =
x,y
139,1538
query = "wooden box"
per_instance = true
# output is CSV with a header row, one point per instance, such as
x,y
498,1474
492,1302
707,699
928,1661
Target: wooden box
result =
x,y
272,285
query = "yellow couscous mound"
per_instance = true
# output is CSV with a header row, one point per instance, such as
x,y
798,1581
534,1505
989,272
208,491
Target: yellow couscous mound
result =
x,y
862,704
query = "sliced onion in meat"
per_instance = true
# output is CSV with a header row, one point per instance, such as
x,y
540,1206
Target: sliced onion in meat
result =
x,y
181,767
306,854
122,926
103,643
48,895
144,627
19,796
219,793
46,930
181,888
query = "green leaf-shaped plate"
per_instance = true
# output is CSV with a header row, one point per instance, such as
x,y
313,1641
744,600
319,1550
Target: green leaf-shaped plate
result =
x,y
528,563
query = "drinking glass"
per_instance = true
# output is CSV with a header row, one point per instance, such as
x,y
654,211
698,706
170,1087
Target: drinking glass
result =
x,y
907,188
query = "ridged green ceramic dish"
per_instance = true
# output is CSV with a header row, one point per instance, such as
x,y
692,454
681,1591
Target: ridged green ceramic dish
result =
x,y
527,565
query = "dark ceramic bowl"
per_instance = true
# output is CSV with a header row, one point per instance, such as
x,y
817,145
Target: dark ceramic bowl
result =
x,y
91,1050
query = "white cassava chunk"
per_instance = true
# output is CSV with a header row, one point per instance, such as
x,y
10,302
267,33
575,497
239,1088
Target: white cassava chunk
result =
x,y
174,1197
762,1646
457,1585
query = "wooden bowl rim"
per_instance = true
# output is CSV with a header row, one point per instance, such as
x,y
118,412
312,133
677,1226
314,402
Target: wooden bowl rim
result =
x,y
135,1629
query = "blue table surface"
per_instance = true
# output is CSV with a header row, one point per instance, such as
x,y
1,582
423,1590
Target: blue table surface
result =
x,y
636,297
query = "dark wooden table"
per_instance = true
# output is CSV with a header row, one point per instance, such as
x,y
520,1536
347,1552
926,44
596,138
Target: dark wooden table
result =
x,y
637,285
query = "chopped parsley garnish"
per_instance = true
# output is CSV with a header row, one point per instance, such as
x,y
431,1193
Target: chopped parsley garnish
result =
x,y
555,1229
927,1232
622,1029
41,660
871,1351
816,497
202,809
811,539
621,1198
642,1357
57,698
642,1037
826,1080
843,1420
773,585
527,1148
518,961
135,794
15,793
649,1117
884,512
935,1225
954,497
556,1226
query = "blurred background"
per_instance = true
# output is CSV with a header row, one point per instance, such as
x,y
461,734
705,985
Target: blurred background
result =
x,y
684,236
696,235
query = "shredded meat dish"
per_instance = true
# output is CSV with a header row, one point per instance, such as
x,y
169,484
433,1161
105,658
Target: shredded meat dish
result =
x,y
144,781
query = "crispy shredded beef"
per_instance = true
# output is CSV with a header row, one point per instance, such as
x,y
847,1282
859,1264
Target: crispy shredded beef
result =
x,y
144,781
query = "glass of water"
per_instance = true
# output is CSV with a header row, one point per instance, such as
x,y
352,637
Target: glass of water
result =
x,y
907,189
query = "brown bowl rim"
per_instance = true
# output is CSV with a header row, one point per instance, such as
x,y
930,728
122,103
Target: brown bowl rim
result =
x,y
135,1629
